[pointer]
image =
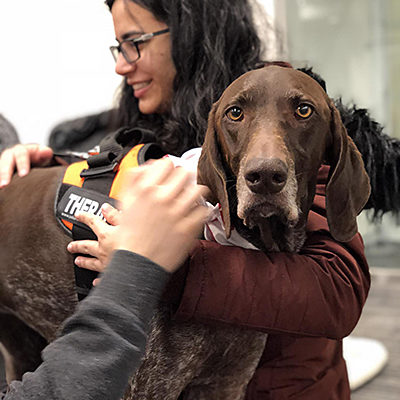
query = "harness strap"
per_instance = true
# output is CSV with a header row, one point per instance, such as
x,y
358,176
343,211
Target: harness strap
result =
x,y
114,148
102,175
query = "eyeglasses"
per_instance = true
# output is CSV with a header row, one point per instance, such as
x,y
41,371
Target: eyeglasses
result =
x,y
130,47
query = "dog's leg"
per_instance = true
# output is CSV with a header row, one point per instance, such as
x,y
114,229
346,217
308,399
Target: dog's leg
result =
x,y
199,362
174,356
226,374
21,347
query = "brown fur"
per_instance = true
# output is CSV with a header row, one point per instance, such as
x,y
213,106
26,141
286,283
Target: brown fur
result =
x,y
205,362
271,140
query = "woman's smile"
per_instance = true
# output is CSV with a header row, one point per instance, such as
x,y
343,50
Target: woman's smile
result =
x,y
152,75
139,88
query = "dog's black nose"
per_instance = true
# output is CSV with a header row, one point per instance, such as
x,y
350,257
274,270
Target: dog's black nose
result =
x,y
265,176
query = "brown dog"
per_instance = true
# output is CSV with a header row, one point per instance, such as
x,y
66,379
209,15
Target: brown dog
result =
x,y
267,137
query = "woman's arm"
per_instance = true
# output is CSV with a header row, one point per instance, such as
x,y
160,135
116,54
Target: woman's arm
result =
x,y
318,292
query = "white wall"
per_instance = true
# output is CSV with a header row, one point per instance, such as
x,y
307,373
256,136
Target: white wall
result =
x,y
55,62
272,14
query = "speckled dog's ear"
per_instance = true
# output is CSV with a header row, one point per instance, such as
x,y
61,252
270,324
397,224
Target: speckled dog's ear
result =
x,y
348,187
210,171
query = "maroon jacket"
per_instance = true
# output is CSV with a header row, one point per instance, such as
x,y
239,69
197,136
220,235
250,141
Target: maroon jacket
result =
x,y
306,302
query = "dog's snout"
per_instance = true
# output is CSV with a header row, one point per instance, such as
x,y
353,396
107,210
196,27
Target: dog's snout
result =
x,y
265,176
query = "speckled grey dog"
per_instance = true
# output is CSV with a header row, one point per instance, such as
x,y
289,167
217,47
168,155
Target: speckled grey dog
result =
x,y
267,137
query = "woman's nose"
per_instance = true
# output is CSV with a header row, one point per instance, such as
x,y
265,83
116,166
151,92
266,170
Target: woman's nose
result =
x,y
122,67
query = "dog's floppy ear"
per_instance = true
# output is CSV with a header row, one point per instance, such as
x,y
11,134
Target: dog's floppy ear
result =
x,y
210,170
348,188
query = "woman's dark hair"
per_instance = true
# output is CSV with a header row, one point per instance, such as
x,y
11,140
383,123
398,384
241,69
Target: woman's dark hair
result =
x,y
213,42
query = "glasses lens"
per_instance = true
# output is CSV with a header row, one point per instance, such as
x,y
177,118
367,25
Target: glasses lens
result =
x,y
129,51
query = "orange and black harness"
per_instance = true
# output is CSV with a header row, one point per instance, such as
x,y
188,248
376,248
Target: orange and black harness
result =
x,y
88,184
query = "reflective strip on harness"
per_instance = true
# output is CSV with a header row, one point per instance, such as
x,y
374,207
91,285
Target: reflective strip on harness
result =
x,y
129,161
72,176
87,188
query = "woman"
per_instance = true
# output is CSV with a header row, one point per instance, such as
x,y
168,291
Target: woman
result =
x,y
102,343
306,302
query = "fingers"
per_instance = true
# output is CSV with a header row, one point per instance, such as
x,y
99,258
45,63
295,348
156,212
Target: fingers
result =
x,y
161,218
96,281
144,180
94,222
160,178
177,181
162,213
152,174
92,264
41,155
192,197
7,165
89,247
21,157
99,250
193,223
194,211
111,214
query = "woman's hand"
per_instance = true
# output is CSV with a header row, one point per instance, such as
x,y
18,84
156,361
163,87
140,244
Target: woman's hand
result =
x,y
161,218
162,213
100,250
21,157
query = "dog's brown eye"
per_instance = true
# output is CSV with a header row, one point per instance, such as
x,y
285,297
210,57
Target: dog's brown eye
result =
x,y
235,114
304,110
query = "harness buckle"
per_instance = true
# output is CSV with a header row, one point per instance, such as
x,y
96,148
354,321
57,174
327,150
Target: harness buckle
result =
x,y
90,172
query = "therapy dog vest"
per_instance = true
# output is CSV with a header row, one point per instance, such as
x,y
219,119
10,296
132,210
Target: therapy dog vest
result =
x,y
88,184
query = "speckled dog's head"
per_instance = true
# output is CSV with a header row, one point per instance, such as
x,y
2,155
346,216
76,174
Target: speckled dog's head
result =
x,y
267,137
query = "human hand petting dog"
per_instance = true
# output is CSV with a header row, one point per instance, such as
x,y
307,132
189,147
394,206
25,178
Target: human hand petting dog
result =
x,y
21,157
160,219
99,250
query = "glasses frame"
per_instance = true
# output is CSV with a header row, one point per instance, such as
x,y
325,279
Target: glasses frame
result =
x,y
117,50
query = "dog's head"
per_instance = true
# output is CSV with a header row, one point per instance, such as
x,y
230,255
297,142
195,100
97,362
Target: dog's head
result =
x,y
267,136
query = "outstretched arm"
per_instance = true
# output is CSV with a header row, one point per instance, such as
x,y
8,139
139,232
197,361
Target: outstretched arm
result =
x,y
102,343
318,292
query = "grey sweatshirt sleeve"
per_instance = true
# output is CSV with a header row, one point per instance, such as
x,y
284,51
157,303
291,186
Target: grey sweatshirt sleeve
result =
x,y
102,343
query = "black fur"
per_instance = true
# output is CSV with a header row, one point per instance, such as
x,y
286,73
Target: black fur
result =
x,y
380,153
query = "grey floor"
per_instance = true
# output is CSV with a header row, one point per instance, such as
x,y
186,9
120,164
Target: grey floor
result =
x,y
380,320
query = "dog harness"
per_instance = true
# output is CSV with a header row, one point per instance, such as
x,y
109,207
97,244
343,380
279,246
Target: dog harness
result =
x,y
88,184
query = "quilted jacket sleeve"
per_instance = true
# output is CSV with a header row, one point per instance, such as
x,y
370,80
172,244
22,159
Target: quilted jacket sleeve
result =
x,y
318,292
